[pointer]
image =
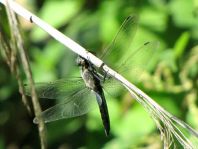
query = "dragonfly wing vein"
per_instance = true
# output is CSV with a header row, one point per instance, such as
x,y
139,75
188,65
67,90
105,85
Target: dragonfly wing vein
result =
x,y
80,103
59,89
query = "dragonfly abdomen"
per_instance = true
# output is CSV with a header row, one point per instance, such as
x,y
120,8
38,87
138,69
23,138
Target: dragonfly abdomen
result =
x,y
104,111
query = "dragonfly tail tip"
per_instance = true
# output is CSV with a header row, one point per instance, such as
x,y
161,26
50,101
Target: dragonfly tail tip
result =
x,y
106,133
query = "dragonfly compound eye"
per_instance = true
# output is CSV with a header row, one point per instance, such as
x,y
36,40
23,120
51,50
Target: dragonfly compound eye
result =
x,y
80,61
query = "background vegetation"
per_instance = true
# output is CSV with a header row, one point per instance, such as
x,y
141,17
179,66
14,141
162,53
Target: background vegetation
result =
x,y
173,81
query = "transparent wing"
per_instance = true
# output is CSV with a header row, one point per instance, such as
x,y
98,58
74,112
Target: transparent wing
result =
x,y
59,89
139,60
122,55
122,40
76,105
134,65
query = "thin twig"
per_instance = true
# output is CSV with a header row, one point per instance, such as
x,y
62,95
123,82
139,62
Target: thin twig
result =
x,y
18,44
7,51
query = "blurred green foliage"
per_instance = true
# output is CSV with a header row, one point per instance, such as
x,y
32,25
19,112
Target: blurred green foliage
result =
x,y
172,81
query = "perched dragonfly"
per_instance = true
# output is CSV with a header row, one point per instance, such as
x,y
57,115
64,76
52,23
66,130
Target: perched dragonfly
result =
x,y
93,82
80,95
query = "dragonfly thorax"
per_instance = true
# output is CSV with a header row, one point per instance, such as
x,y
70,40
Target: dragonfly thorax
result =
x,y
88,73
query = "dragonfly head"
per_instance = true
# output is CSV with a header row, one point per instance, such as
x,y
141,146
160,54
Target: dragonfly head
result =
x,y
82,62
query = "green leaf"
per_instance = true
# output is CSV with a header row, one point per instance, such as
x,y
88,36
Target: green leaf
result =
x,y
131,126
181,44
182,11
56,13
154,19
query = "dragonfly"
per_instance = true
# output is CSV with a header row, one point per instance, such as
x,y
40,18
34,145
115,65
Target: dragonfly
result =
x,y
80,95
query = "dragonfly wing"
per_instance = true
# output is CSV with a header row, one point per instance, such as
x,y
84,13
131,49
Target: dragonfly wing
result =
x,y
134,65
124,35
139,60
80,103
59,89
121,54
